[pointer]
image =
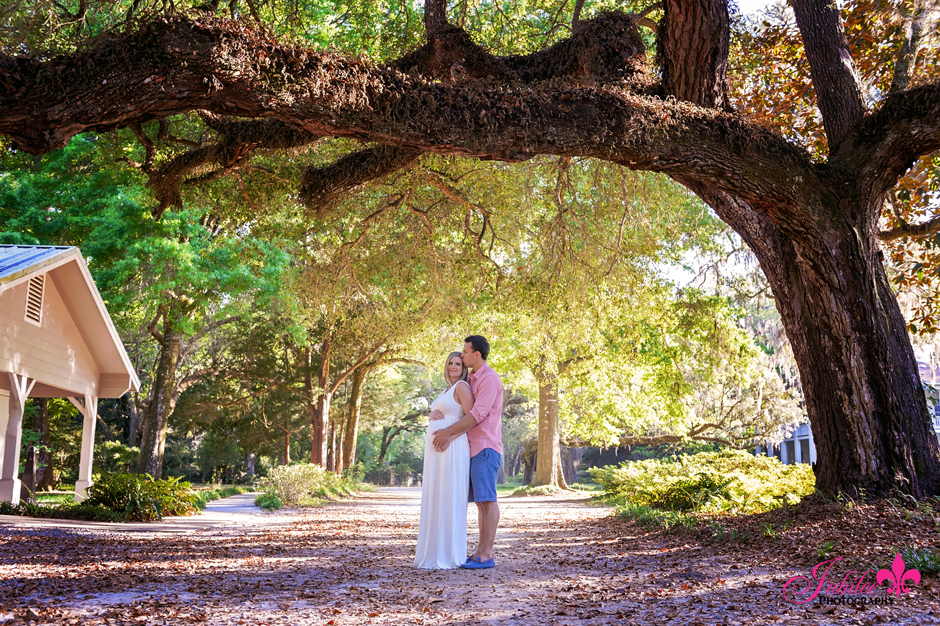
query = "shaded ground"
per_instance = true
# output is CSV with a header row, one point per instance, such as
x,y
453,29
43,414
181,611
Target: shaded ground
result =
x,y
559,562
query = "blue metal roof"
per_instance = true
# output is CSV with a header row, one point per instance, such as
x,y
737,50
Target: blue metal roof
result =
x,y
17,261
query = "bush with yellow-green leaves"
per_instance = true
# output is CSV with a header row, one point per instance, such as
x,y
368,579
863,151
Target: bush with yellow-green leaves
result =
x,y
729,481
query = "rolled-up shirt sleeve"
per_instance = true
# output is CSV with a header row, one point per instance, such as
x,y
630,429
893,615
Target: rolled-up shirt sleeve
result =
x,y
483,403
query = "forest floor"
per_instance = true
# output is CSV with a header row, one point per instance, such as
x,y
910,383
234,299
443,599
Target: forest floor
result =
x,y
559,559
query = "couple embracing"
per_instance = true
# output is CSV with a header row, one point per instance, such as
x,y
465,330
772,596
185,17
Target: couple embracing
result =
x,y
462,456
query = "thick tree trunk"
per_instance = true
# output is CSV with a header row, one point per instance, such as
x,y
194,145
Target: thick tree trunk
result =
x,y
156,417
548,464
352,421
863,393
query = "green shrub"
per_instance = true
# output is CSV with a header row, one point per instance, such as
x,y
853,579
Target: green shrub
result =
x,y
731,481
83,511
268,502
293,483
141,498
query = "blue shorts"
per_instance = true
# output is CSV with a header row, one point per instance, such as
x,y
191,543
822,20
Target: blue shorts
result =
x,y
483,469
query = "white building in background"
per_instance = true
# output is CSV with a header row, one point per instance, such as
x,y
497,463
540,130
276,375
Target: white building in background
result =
x,y
799,446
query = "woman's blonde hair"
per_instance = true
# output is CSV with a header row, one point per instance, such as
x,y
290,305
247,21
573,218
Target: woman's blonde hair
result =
x,y
464,372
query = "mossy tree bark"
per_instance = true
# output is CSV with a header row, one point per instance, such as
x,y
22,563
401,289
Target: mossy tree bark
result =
x,y
813,225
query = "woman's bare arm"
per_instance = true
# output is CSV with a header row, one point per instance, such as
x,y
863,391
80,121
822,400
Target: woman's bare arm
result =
x,y
464,397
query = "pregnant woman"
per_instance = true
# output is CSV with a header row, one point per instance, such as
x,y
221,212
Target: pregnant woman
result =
x,y
442,532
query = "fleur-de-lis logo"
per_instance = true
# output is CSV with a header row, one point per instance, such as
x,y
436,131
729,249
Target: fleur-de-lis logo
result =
x,y
896,576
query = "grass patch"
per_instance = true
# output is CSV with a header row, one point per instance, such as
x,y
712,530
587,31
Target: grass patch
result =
x,y
55,498
589,487
653,518
541,490
268,502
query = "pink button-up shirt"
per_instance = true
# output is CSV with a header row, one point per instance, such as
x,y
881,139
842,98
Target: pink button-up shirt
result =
x,y
487,388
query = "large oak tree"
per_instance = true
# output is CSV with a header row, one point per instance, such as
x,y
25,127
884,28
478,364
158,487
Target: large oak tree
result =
x,y
813,225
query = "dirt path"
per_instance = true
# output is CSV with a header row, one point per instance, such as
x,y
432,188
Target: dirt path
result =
x,y
559,561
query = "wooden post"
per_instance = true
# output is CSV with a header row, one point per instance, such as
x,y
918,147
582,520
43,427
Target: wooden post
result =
x,y
20,386
89,411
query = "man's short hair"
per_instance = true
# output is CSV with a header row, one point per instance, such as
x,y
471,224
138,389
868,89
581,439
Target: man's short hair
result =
x,y
479,344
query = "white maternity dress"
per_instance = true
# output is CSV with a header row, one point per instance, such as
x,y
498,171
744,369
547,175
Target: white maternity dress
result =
x,y
442,531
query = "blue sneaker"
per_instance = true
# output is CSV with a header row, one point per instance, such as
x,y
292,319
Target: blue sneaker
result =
x,y
476,563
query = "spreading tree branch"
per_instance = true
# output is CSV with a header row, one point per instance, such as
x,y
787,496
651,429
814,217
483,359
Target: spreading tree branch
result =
x,y
890,140
905,230
835,79
174,65
321,187
237,139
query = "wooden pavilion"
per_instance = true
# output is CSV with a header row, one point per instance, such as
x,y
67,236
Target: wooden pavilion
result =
x,y
56,341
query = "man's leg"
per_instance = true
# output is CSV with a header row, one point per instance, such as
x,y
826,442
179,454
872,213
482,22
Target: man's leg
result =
x,y
481,526
483,470
488,513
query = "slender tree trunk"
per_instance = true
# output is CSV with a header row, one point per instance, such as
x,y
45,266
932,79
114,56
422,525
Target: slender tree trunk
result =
x,y
548,465
331,448
134,413
352,421
529,459
571,458
44,456
285,457
867,407
321,411
336,443
388,435
156,417
514,465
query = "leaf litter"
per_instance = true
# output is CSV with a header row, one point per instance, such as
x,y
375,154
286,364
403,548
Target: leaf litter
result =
x,y
560,562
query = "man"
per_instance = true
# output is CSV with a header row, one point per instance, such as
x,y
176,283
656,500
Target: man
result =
x,y
483,425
